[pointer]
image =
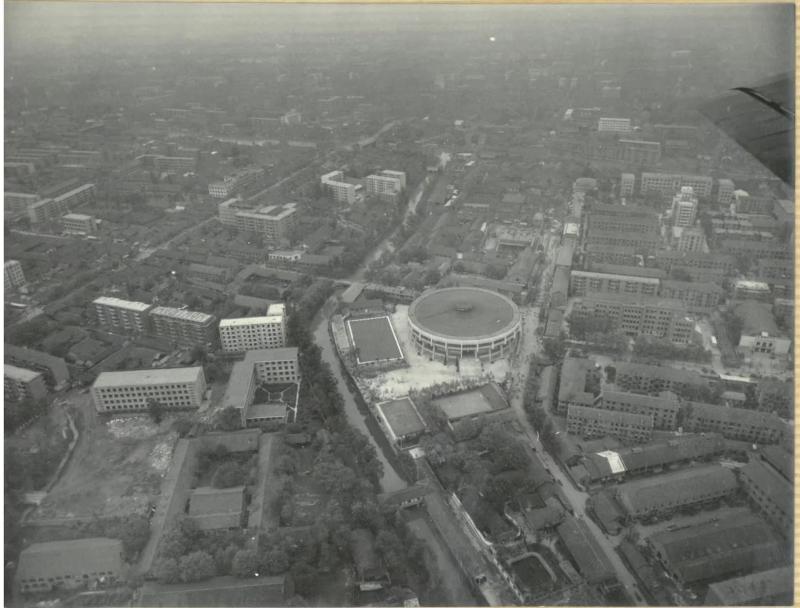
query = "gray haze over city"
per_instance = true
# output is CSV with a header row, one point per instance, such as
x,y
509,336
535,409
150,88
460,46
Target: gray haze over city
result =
x,y
398,305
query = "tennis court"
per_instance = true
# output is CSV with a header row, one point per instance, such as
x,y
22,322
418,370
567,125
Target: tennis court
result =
x,y
374,340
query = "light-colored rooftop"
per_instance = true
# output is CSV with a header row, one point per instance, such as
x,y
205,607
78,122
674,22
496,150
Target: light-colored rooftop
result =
x,y
19,373
271,354
184,315
126,304
244,321
77,216
175,375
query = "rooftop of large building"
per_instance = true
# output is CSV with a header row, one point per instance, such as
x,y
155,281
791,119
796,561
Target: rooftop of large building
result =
x,y
662,491
718,548
610,416
245,321
118,303
19,373
174,375
46,560
271,354
754,589
662,372
771,482
665,400
180,314
734,414
588,555
463,313
628,270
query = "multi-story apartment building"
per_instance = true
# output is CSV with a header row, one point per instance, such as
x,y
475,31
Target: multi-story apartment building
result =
x,y
341,191
684,208
627,184
668,183
663,408
174,164
54,369
13,275
584,282
772,492
725,190
698,297
46,210
641,315
653,379
271,366
182,326
20,383
691,239
734,423
646,241
122,314
747,204
386,185
573,383
274,221
614,125
132,391
604,219
590,422
253,333
17,203
78,223
755,249
609,254
77,196
639,152
234,183
715,264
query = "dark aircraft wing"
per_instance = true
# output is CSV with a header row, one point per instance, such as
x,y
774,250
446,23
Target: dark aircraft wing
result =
x,y
761,119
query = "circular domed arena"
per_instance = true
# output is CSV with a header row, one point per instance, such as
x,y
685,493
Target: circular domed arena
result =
x,y
455,322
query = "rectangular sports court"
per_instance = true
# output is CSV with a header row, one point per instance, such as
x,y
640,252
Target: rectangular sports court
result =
x,y
374,340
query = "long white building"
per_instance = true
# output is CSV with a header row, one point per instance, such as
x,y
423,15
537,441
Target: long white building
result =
x,y
176,388
254,333
386,184
121,314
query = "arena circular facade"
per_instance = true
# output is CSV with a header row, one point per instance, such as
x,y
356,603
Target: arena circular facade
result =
x,y
457,322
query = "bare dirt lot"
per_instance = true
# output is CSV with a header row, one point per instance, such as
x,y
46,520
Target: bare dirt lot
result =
x,y
116,470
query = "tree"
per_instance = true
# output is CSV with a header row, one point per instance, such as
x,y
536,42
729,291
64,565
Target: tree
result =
x,y
495,271
166,570
196,566
680,274
134,534
554,348
245,563
155,410
229,475
198,354
229,419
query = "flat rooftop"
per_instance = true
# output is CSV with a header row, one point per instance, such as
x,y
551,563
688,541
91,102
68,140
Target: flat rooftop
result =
x,y
118,303
175,375
183,315
244,321
402,417
271,354
19,373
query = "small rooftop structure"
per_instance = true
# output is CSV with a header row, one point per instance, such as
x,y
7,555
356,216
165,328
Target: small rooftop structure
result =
x,y
402,419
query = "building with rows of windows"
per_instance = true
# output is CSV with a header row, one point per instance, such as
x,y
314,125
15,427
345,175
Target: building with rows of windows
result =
x,y
182,326
121,314
13,276
663,407
132,391
20,383
734,423
589,422
641,315
254,333
583,282
342,191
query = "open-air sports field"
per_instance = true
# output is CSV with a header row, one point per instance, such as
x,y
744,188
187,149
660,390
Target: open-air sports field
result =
x,y
374,340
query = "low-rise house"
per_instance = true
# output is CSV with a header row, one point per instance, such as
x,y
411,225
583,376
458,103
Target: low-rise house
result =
x,y
69,564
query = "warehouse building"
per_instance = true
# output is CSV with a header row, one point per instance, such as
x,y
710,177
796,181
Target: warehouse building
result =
x,y
730,546
69,564
772,587
662,495
771,492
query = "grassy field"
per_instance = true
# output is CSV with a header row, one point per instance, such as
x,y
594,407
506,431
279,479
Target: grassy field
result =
x,y
374,339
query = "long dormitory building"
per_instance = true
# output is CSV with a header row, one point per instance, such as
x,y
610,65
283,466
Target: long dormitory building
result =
x,y
132,391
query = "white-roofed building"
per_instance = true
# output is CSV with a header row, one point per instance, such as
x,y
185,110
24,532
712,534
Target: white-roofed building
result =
x,y
252,333
20,383
131,391
121,314
183,326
